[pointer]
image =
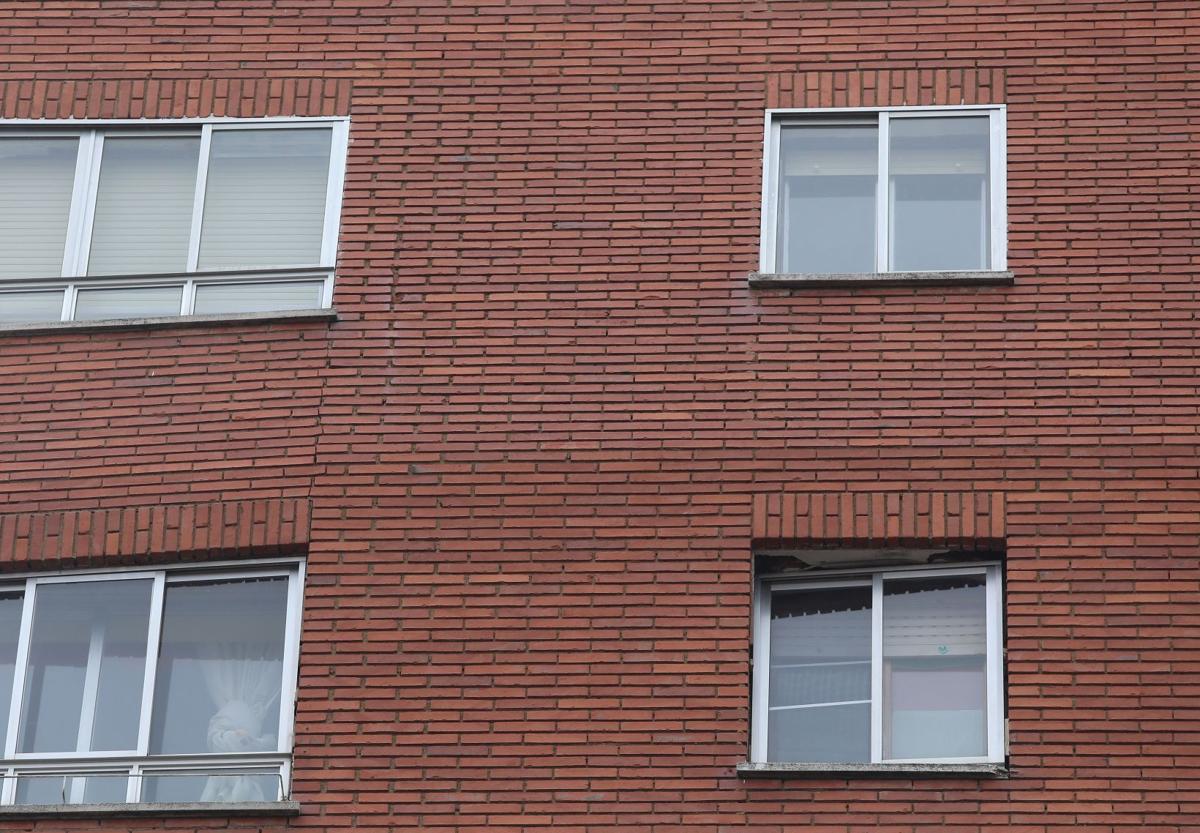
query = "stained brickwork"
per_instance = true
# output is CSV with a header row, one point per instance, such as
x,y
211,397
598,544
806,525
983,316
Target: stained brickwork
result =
x,y
534,439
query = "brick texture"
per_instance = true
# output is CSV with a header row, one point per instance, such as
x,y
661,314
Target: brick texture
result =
x,y
887,87
171,532
953,519
172,98
534,438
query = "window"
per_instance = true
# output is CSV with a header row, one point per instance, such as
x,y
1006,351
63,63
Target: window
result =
x,y
149,686
902,666
166,218
895,190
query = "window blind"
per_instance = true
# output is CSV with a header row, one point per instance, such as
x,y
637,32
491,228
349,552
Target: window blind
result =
x,y
35,203
144,205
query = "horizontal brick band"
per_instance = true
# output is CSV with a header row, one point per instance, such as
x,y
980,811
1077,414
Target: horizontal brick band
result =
x,y
136,98
886,87
881,518
228,529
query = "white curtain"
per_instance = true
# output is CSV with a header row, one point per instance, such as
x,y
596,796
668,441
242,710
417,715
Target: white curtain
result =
x,y
244,686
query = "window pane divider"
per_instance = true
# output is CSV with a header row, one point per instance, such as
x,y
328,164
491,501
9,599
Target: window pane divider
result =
x,y
876,668
153,632
193,257
91,685
79,198
883,213
22,661
92,189
994,624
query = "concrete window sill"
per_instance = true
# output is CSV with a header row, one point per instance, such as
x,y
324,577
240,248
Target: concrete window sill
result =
x,y
766,280
785,770
169,321
88,811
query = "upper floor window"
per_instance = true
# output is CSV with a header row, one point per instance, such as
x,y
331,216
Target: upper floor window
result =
x,y
123,220
148,686
893,190
898,666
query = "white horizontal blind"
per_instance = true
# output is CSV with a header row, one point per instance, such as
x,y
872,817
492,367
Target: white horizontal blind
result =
x,y
20,307
144,205
265,198
258,297
132,302
37,177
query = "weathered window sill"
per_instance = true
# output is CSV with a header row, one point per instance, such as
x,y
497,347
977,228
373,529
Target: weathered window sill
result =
x,y
75,811
768,280
787,770
169,321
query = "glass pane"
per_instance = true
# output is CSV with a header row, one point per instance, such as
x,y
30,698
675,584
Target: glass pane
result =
x,y
10,628
35,202
31,306
241,786
934,648
132,302
820,675
144,205
71,789
87,651
220,667
264,201
939,193
258,297
828,177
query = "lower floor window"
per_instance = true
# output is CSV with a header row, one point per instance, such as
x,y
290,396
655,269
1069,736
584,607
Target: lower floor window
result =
x,y
149,686
898,666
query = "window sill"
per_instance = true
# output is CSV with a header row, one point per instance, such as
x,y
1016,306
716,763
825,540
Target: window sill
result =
x,y
787,770
772,280
169,321
65,811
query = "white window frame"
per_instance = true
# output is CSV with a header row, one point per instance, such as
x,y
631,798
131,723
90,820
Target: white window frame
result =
x,y
137,763
994,663
997,175
91,135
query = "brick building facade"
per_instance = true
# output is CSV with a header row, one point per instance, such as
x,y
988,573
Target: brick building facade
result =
x,y
530,461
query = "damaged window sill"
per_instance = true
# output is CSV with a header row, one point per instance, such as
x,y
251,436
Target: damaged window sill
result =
x,y
167,321
788,770
770,280
75,811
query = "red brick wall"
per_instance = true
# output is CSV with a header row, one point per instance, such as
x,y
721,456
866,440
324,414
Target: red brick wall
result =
x,y
534,439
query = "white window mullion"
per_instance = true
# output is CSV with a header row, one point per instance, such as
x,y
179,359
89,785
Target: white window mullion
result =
x,y
68,305
8,790
338,149
995,664
770,201
291,660
759,707
80,193
19,671
193,257
883,232
189,298
133,789
998,184
91,686
84,242
152,639
876,668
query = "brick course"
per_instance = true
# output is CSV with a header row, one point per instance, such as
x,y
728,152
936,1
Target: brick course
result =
x,y
535,440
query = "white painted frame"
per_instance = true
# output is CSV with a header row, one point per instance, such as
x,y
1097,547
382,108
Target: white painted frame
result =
x,y
138,762
91,135
997,204
994,663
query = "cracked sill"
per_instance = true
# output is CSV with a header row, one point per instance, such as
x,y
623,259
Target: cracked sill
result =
x,y
76,811
170,321
768,280
789,770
